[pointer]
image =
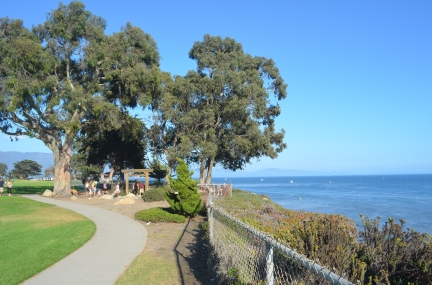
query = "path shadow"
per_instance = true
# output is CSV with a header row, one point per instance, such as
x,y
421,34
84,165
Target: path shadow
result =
x,y
192,253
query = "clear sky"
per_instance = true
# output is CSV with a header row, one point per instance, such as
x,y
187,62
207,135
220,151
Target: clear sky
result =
x,y
359,72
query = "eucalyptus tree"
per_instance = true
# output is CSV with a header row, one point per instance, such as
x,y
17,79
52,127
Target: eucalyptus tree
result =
x,y
61,75
221,113
236,86
179,116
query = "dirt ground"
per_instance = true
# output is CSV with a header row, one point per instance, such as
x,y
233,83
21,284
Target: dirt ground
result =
x,y
183,242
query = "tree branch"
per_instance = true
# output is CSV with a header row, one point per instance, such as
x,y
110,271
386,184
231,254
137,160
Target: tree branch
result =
x,y
35,107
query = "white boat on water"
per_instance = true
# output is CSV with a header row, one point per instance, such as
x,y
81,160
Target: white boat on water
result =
x,y
292,181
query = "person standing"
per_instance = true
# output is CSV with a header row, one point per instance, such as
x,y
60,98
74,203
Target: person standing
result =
x,y
93,185
135,188
141,188
105,188
117,189
1,186
87,187
9,187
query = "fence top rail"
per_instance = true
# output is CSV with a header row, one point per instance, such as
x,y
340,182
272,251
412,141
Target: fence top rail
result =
x,y
213,184
307,263
136,170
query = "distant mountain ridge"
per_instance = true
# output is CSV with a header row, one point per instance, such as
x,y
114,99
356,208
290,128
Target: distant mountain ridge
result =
x,y
47,160
11,157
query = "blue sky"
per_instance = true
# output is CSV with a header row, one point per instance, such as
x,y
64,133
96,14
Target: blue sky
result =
x,y
359,73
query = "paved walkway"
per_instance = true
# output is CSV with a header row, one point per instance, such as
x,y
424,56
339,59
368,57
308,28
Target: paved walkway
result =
x,y
117,241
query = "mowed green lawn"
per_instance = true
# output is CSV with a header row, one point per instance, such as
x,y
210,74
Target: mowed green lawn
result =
x,y
21,186
35,235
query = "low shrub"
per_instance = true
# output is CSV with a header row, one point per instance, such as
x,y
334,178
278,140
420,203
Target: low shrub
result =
x,y
394,255
374,256
331,239
159,215
154,195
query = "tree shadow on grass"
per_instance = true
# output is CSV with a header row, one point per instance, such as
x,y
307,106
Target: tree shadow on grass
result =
x,y
192,253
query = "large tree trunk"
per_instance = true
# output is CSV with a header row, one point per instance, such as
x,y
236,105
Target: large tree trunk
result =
x,y
209,171
202,171
101,173
62,174
170,168
111,173
168,174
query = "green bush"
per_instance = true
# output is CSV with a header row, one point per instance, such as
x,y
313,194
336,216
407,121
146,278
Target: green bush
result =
x,y
154,195
183,196
159,215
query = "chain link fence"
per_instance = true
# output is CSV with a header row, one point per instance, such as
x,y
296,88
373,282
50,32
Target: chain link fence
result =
x,y
216,190
243,255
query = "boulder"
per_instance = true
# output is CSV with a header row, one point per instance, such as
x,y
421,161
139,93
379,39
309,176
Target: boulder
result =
x,y
126,201
47,193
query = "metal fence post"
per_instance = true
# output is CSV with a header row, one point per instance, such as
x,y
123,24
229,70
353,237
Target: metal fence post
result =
x,y
211,224
270,264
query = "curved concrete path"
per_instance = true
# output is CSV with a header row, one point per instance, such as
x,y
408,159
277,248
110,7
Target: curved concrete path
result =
x,y
116,242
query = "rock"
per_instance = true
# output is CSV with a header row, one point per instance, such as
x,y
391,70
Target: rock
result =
x,y
130,195
74,198
126,201
106,197
47,193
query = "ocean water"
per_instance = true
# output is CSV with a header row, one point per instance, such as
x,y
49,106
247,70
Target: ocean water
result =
x,y
407,197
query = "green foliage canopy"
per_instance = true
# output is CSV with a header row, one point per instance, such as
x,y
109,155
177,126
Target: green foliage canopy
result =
x,y
26,168
61,75
3,169
120,148
159,169
222,112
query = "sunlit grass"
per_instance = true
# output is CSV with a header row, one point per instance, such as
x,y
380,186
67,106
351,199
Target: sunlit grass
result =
x,y
35,235
21,186
150,269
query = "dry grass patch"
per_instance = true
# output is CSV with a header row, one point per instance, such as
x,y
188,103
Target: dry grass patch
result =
x,y
157,263
46,217
174,254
